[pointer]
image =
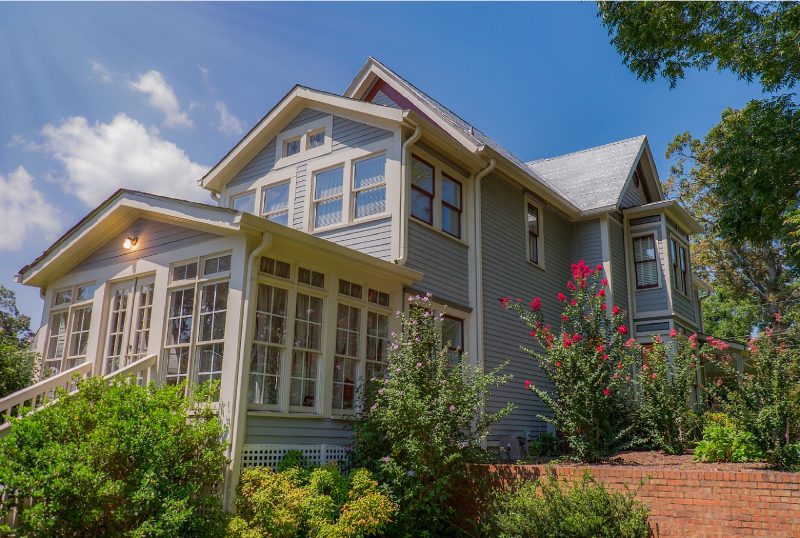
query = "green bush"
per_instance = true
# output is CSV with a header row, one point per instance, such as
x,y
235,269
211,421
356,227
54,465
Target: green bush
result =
x,y
424,422
322,503
723,441
116,460
589,363
548,508
546,444
667,379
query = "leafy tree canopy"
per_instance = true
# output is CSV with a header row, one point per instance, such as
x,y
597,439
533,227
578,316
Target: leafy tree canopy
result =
x,y
754,40
12,322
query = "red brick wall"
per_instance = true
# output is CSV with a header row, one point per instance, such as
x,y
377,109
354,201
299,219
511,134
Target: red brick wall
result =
x,y
702,504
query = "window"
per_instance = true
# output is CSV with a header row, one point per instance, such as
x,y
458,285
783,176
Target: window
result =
x,y
143,315
310,278
62,297
453,337
215,266
306,353
269,344
68,332
377,343
179,335
369,186
210,348
350,289
56,342
645,263
422,190
245,203
328,197
79,337
683,281
186,271
276,203
534,233
117,323
379,298
85,293
291,146
275,267
451,206
345,364
316,139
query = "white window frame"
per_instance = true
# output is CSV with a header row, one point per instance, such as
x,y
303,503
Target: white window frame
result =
x,y
343,196
302,133
69,308
262,191
659,267
439,169
354,191
540,245
251,192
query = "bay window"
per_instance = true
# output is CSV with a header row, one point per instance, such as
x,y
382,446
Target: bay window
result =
x,y
645,261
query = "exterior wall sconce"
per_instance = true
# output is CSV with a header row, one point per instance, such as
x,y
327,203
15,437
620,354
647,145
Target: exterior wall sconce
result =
x,y
130,242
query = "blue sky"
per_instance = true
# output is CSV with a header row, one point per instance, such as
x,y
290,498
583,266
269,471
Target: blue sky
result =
x,y
99,96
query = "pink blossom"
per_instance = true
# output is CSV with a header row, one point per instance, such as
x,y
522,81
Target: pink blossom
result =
x,y
419,365
653,376
566,342
622,329
527,384
504,302
601,293
536,304
576,338
452,408
673,333
615,310
600,348
558,364
603,306
607,392
599,267
657,339
604,282
572,302
571,286
564,318
562,297
630,342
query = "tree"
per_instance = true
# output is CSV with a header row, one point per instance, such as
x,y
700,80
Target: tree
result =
x,y
751,39
729,315
115,460
17,361
742,181
12,322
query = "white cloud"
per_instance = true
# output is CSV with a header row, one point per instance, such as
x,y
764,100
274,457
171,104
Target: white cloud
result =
x,y
228,123
19,141
25,211
203,73
162,98
100,158
101,72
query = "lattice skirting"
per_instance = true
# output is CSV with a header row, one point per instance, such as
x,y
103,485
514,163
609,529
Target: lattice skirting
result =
x,y
270,455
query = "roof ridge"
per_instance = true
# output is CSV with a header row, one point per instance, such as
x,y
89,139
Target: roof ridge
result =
x,y
535,161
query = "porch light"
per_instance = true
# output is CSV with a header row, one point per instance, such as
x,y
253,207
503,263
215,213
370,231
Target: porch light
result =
x,y
130,242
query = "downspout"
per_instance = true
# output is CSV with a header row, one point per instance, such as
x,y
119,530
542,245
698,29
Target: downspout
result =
x,y
237,406
403,249
215,196
479,257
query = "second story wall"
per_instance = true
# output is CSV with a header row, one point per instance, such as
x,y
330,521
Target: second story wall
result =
x,y
653,300
684,301
619,270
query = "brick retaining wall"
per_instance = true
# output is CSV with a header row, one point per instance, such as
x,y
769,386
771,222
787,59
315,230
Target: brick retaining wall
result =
x,y
685,503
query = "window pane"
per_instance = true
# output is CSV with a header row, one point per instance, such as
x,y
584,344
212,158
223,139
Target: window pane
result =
x,y
451,191
265,374
316,139
644,248
646,274
302,392
312,278
451,221
63,297
369,172
379,297
329,183
275,267
533,219
276,198
246,202
421,206
209,362
85,292
421,175
280,218
291,147
328,213
370,202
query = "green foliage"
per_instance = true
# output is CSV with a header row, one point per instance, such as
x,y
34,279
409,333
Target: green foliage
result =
x,y
12,323
324,503
765,400
751,39
667,377
730,314
424,422
546,444
293,459
17,361
547,508
116,460
589,364
723,441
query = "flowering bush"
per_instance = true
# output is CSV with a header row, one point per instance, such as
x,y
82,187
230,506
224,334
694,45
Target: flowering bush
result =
x,y
424,422
546,508
667,378
589,363
765,399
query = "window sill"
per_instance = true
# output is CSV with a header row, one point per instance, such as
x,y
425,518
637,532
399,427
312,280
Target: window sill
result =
x,y
539,266
282,414
438,231
355,222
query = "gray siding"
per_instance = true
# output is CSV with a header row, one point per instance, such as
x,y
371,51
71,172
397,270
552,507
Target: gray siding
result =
x,y
381,98
651,300
506,272
300,187
683,305
259,166
373,238
444,263
154,238
632,197
586,242
619,269
296,431
352,134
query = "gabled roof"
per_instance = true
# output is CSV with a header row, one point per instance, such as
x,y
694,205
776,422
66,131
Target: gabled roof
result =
x,y
593,178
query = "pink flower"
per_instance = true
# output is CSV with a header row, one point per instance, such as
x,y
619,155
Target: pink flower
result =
x,y
615,310
673,333
644,367
778,317
630,342
607,392
657,339
619,365
571,286
566,342
572,302
527,384
653,376
533,332
605,357
601,293
576,338
564,318
717,344
562,297
536,304
600,348
615,376
558,364
419,365
452,408
622,329
504,302
603,306
604,282
599,267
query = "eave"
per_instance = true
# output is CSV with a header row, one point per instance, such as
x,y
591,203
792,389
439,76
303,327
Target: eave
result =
x,y
673,209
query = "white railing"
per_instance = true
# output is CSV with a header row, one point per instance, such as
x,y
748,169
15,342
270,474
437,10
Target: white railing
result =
x,y
141,372
38,395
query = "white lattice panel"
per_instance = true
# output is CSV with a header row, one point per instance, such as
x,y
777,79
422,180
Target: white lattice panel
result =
x,y
270,455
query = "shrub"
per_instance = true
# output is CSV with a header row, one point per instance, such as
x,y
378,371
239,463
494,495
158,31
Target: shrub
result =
x,y
544,445
424,422
116,460
724,442
667,381
322,503
547,508
765,400
588,363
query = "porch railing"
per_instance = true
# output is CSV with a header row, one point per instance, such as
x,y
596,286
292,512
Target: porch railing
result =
x,y
142,371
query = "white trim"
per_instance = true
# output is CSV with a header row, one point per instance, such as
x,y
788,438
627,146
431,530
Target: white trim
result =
x,y
301,133
605,249
658,260
540,245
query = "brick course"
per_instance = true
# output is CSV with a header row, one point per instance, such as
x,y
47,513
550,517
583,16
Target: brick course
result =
x,y
685,503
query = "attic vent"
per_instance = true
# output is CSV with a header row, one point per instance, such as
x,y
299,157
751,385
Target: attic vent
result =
x,y
637,182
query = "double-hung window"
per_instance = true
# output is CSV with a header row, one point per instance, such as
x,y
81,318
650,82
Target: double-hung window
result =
x,y
453,337
437,198
275,205
245,202
369,186
679,258
533,231
451,206
328,192
645,261
422,190
68,333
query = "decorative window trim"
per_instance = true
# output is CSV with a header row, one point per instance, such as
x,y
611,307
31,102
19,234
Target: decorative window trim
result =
x,y
439,169
540,245
657,260
302,133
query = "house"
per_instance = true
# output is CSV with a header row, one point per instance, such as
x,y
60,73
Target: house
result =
x,y
320,221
